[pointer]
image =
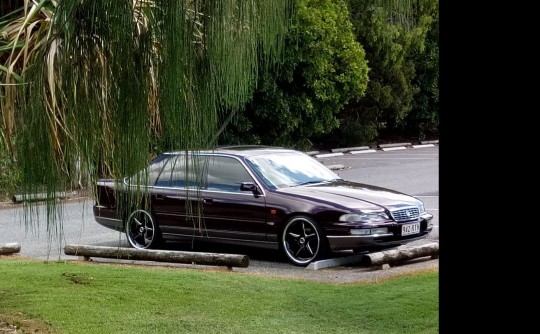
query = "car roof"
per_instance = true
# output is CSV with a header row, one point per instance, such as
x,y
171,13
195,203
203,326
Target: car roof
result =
x,y
240,150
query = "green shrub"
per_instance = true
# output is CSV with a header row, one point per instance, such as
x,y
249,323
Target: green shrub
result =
x,y
351,133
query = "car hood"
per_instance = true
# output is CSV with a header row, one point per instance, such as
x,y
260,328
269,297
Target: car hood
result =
x,y
354,195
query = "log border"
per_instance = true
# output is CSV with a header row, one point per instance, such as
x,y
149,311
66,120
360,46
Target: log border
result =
x,y
394,256
124,253
9,248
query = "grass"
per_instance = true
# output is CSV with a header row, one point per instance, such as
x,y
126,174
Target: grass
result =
x,y
71,297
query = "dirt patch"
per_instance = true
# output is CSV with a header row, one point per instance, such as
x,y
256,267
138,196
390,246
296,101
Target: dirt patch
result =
x,y
20,323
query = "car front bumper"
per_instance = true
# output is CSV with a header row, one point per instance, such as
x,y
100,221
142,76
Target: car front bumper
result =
x,y
374,241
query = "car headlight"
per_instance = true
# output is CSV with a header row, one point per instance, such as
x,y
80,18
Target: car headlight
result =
x,y
367,217
421,208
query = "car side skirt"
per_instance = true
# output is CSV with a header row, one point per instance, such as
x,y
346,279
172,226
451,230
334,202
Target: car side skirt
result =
x,y
223,241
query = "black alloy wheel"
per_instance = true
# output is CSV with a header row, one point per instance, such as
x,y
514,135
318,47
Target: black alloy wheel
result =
x,y
142,231
303,241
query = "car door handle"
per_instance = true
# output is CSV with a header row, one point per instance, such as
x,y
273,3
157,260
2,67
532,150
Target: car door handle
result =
x,y
208,200
160,197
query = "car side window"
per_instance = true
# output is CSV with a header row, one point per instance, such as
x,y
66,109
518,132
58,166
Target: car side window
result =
x,y
180,172
149,175
155,169
226,174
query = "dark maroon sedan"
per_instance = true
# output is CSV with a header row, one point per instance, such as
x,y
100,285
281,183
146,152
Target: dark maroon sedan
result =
x,y
258,196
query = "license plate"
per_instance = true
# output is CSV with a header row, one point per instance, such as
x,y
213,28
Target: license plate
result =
x,y
410,229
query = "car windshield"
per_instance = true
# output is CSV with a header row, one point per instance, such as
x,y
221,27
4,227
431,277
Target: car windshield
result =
x,y
290,169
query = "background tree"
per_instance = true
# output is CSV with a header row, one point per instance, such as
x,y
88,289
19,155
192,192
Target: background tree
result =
x,y
323,69
393,33
423,120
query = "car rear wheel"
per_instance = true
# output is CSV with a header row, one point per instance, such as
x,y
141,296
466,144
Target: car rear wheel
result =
x,y
142,231
303,240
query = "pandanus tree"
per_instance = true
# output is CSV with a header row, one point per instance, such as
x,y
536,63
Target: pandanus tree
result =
x,y
86,86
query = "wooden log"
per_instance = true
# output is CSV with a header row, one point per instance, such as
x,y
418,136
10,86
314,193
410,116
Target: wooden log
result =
x,y
10,248
212,259
394,256
18,198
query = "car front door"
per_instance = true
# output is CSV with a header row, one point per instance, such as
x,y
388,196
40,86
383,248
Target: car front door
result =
x,y
229,212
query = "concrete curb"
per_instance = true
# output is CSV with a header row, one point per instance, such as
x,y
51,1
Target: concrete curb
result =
x,y
365,151
393,148
348,149
336,152
327,155
393,145
423,145
312,152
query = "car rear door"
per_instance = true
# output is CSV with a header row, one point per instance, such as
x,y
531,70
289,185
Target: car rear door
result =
x,y
175,197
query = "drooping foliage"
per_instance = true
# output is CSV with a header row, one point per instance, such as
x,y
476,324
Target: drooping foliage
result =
x,y
88,85
214,61
391,45
323,69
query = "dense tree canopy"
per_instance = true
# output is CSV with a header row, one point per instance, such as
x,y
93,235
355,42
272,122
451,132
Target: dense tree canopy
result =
x,y
319,95
424,116
392,47
323,69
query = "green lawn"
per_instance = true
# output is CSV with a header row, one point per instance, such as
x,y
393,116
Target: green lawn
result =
x,y
73,297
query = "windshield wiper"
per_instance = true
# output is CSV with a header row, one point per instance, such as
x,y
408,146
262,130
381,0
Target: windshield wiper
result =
x,y
311,182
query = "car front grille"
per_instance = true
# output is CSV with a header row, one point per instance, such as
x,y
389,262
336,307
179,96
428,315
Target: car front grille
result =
x,y
406,214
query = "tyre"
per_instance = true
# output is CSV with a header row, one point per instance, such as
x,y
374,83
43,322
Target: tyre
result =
x,y
142,230
303,241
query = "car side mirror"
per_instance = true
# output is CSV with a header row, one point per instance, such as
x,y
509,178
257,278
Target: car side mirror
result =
x,y
250,186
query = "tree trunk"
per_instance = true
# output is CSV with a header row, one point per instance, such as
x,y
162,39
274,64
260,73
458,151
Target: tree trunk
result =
x,y
212,259
394,256
9,248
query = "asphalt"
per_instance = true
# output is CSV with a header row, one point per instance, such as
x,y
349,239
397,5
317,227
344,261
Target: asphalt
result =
x,y
342,274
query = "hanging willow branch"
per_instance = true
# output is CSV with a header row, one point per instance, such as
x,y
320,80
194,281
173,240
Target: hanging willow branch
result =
x,y
86,84
399,12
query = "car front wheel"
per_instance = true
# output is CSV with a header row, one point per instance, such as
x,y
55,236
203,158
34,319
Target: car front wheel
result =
x,y
142,231
303,241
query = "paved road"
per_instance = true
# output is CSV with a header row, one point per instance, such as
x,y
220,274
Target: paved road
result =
x,y
413,171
